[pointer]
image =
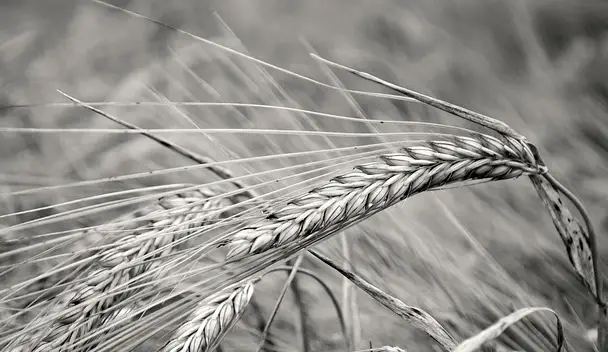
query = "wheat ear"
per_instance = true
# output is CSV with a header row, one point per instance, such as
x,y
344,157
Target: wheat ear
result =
x,y
87,304
211,321
375,186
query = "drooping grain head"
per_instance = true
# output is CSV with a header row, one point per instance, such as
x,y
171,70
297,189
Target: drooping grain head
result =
x,y
378,185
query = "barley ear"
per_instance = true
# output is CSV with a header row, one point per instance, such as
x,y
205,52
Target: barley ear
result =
x,y
211,321
84,307
375,186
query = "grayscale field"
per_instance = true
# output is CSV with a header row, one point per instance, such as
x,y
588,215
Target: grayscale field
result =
x,y
240,175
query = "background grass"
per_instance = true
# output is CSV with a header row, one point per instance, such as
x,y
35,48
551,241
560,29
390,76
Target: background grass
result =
x,y
467,256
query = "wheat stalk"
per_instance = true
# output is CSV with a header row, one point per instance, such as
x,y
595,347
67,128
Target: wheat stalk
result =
x,y
375,186
210,322
87,305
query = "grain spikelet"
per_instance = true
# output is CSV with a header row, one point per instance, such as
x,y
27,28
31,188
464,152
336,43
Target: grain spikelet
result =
x,y
87,305
378,185
210,322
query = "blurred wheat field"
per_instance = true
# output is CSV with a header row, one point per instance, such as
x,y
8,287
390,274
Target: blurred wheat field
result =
x,y
467,255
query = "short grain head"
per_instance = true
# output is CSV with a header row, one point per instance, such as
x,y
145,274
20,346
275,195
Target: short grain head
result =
x,y
210,322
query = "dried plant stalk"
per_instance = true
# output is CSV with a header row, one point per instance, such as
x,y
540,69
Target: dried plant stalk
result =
x,y
415,316
580,243
210,322
474,343
87,305
375,186
573,235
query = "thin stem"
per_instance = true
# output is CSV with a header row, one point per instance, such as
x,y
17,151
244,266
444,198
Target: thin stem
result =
x,y
275,309
297,295
261,323
332,297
